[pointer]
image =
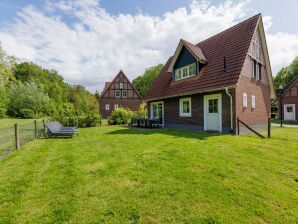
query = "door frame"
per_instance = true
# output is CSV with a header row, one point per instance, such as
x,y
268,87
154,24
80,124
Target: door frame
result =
x,y
206,98
294,110
163,110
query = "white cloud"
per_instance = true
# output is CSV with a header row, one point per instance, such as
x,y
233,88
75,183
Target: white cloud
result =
x,y
93,45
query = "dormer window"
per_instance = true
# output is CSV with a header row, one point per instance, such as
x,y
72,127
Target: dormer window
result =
x,y
185,72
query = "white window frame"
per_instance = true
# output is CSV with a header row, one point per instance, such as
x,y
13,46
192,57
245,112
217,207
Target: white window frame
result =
x,y
116,106
117,91
121,85
179,72
253,101
107,106
253,69
163,111
181,101
244,100
257,71
123,94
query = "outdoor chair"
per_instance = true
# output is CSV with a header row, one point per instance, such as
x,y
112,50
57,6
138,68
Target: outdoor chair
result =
x,y
55,129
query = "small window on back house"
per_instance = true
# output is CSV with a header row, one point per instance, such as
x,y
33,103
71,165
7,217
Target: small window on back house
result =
x,y
118,93
260,72
124,93
121,85
107,107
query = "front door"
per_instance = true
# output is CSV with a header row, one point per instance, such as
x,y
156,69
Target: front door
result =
x,y
212,113
289,111
157,111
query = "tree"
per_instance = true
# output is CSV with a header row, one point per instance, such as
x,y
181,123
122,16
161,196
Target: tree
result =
x,y
144,82
26,100
286,74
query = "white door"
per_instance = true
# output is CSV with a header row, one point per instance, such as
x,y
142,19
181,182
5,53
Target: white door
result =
x,y
212,113
157,111
289,112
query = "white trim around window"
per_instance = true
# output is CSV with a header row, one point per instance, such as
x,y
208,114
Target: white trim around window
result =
x,y
185,72
244,100
107,106
124,95
121,85
253,101
185,107
117,93
116,106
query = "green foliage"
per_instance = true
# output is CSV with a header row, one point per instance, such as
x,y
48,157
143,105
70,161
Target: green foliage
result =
x,y
2,110
144,82
141,112
120,116
286,74
28,90
26,100
91,120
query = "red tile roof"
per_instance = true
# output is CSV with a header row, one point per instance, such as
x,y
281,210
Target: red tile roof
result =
x,y
195,50
232,43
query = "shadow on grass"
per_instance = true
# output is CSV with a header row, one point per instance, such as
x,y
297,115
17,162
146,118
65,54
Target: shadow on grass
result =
x,y
166,131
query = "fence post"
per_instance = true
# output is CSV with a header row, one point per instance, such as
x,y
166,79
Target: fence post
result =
x,y
35,129
44,127
238,126
16,132
269,127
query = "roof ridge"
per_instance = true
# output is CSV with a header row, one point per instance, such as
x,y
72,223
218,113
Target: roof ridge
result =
x,y
232,27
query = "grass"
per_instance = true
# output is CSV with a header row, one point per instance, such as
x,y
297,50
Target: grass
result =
x,y
120,175
7,133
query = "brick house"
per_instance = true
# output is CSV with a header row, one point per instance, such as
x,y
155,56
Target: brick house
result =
x,y
119,93
288,101
207,86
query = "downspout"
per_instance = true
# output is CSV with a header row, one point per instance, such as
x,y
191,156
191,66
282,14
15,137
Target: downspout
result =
x,y
231,107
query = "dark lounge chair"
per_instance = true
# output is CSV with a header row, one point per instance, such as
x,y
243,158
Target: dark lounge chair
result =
x,y
55,128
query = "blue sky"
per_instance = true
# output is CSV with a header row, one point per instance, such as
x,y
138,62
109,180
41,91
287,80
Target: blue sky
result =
x,y
91,40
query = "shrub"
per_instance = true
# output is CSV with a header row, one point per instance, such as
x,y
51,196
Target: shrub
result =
x,y
141,112
120,116
91,120
2,111
26,113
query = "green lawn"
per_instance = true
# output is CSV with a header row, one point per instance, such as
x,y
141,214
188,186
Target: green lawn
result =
x,y
121,175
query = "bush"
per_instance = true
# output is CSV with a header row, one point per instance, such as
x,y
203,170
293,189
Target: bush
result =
x,y
141,112
120,116
26,113
2,111
91,120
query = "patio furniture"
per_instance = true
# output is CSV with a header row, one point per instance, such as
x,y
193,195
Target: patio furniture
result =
x,y
55,129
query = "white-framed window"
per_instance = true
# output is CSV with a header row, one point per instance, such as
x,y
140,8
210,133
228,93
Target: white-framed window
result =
x,y
121,85
185,72
257,71
124,93
185,107
116,106
253,101
118,93
253,69
192,69
244,100
107,106
177,74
